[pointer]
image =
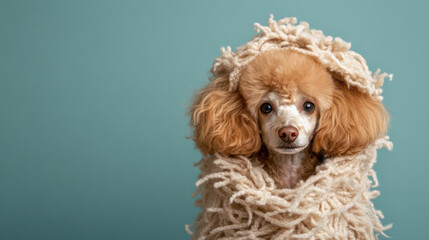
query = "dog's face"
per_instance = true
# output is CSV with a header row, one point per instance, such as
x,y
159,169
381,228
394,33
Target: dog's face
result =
x,y
287,123
291,101
286,92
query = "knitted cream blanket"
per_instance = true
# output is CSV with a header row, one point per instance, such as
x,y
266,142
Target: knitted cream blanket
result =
x,y
239,200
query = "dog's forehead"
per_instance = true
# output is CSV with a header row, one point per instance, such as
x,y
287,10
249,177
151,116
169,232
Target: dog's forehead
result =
x,y
283,98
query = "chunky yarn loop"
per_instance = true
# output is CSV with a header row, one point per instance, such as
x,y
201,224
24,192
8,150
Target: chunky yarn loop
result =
x,y
239,199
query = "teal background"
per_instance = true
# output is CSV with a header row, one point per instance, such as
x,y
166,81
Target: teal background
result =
x,y
93,97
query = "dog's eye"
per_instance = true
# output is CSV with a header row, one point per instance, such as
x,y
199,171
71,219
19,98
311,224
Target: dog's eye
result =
x,y
266,108
308,107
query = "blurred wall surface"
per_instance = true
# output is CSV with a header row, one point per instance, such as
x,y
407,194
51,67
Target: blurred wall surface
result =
x,y
94,95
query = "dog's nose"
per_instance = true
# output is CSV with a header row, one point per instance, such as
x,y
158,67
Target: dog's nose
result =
x,y
288,134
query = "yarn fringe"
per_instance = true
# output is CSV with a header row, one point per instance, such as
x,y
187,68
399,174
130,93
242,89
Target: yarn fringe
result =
x,y
241,201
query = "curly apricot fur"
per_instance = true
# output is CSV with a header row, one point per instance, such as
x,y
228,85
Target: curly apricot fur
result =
x,y
222,123
354,120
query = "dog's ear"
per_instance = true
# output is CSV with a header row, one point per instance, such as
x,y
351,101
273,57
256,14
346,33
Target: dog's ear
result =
x,y
353,121
222,123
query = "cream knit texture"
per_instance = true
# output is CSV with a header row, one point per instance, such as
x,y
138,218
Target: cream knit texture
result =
x,y
239,200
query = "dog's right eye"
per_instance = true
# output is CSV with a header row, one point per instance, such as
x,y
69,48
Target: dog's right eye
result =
x,y
266,108
308,107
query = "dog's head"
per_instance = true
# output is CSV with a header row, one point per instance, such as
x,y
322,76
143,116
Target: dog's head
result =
x,y
287,101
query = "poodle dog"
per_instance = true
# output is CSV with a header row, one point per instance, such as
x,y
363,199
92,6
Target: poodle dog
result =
x,y
289,113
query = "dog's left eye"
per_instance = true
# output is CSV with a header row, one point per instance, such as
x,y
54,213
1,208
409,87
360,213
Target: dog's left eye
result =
x,y
308,107
266,108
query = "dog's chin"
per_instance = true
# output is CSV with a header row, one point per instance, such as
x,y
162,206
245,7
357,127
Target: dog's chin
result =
x,y
289,149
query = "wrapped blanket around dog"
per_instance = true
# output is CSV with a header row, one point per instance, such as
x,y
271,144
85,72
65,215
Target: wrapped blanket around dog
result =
x,y
239,199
